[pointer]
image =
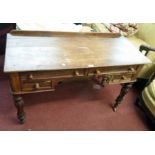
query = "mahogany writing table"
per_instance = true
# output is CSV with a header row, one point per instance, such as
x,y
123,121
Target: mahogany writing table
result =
x,y
37,61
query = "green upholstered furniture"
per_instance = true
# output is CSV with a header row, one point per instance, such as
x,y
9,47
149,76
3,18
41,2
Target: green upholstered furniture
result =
x,y
148,96
145,36
146,101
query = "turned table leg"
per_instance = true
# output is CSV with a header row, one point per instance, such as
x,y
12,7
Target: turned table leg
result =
x,y
19,103
124,90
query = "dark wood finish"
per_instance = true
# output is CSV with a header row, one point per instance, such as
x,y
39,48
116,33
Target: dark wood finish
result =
x,y
42,51
146,48
19,103
123,92
38,61
15,82
34,81
65,34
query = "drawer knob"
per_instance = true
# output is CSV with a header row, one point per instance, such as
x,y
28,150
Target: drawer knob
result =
x,y
77,73
123,77
37,86
30,76
105,80
131,69
98,72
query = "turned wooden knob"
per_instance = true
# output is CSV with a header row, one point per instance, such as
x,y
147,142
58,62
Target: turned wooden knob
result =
x,y
98,72
77,73
123,77
131,69
105,80
37,86
30,76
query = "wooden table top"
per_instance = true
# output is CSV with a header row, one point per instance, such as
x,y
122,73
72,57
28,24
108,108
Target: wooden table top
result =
x,y
38,51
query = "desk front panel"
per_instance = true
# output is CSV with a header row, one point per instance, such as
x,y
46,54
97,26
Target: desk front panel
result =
x,y
31,82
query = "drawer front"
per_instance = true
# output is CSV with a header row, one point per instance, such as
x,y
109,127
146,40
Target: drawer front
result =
x,y
47,80
114,78
112,70
121,78
113,75
47,75
37,86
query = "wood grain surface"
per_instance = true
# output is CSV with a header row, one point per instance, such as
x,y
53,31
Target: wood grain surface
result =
x,y
41,51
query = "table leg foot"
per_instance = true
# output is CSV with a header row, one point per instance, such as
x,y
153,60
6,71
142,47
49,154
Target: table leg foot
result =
x,y
123,92
19,103
114,109
22,119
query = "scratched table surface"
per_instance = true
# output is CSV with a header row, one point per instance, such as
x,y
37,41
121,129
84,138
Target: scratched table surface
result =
x,y
40,51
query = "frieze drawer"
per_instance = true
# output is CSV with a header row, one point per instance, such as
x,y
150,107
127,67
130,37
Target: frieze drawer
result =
x,y
37,86
112,70
44,75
